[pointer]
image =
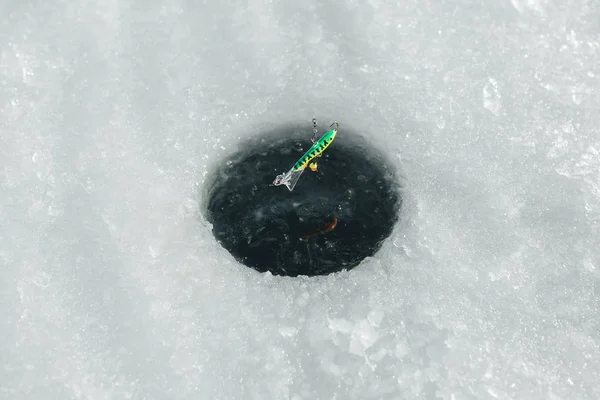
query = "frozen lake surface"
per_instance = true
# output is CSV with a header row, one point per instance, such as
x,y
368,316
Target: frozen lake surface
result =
x,y
112,115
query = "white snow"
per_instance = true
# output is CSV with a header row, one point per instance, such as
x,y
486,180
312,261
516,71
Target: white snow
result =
x,y
113,114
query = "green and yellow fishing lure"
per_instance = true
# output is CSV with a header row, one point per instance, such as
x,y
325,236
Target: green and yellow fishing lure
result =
x,y
291,177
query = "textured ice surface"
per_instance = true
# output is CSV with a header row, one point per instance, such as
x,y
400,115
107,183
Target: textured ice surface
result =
x,y
112,287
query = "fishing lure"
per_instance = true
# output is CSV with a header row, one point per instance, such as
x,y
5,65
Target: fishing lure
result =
x,y
291,177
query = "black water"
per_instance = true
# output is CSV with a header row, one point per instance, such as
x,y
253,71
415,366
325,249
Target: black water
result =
x,y
271,228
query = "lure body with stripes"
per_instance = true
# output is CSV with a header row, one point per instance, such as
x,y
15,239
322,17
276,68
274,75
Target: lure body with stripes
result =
x,y
290,178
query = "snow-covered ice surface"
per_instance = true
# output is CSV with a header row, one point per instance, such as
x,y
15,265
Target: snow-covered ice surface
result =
x,y
112,113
